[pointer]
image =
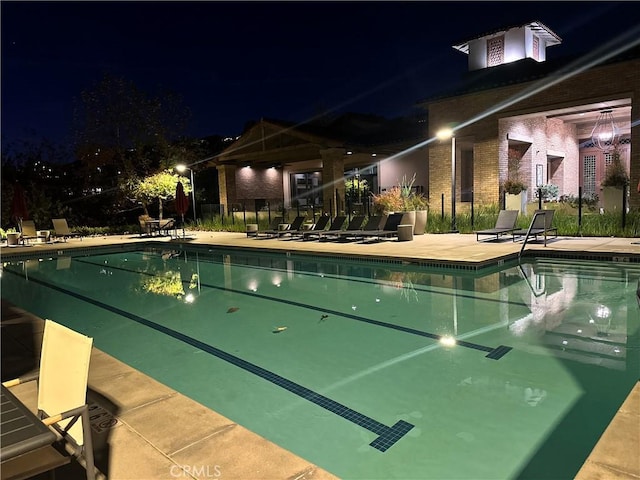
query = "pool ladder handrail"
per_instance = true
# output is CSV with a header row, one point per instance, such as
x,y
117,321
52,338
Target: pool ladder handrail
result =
x,y
526,279
533,221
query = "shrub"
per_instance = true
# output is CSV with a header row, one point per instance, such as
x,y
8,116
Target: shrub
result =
x,y
589,200
514,187
616,174
548,191
400,198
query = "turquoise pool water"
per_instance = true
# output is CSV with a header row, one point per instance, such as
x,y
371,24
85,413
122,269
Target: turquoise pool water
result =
x,y
370,370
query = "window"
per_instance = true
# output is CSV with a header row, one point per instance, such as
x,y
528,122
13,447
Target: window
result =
x,y
306,188
495,51
589,175
608,159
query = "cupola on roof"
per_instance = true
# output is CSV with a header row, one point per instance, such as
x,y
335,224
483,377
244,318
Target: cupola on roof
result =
x,y
509,44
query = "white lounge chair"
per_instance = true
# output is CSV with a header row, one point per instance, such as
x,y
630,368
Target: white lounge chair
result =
x,y
62,400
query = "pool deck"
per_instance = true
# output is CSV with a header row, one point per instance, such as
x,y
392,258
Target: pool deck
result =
x,y
161,434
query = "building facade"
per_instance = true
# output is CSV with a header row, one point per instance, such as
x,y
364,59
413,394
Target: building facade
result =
x,y
331,165
513,107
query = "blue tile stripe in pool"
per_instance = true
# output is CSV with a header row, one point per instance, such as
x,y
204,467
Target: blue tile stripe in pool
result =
x,y
498,352
387,436
493,353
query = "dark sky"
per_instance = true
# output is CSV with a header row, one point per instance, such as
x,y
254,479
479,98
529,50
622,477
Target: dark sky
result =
x,y
239,61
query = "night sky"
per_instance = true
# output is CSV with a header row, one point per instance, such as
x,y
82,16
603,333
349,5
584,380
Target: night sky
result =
x,y
240,61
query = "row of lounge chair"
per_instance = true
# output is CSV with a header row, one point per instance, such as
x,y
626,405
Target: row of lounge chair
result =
x,y
541,225
28,231
379,227
376,228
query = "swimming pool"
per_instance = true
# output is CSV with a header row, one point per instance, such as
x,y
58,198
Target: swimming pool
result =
x,y
367,369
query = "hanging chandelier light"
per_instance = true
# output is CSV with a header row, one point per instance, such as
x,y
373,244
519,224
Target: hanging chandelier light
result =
x,y
605,133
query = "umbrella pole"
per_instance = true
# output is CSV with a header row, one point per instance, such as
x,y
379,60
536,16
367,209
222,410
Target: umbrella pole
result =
x,y
183,235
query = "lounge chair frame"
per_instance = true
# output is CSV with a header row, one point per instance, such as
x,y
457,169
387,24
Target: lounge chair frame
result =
x,y
334,228
62,394
373,225
272,231
355,224
294,227
319,226
28,231
61,229
541,225
390,229
505,224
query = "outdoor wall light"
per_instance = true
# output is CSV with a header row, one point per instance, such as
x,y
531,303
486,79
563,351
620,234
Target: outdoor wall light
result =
x,y
605,133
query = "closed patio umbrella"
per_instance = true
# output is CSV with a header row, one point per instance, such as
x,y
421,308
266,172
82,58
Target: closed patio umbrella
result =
x,y
182,203
19,205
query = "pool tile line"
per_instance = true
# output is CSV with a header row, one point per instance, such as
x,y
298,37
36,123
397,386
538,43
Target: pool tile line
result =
x,y
498,260
499,352
611,255
370,321
494,353
387,436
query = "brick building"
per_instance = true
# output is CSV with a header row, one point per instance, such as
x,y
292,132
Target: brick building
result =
x,y
515,104
275,163
511,104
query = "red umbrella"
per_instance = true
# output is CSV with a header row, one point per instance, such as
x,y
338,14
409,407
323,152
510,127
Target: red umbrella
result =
x,y
182,203
19,205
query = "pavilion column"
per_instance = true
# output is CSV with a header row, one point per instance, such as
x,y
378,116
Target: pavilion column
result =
x,y
333,180
227,185
634,151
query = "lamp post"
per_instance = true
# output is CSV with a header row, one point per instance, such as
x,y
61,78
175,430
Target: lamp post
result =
x,y
444,134
181,168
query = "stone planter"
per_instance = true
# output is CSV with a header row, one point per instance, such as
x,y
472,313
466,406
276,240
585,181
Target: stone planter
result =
x,y
516,202
12,238
252,229
421,222
612,199
405,233
408,218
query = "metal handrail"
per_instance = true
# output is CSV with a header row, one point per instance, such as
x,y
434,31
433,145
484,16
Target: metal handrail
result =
x,y
526,279
533,221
